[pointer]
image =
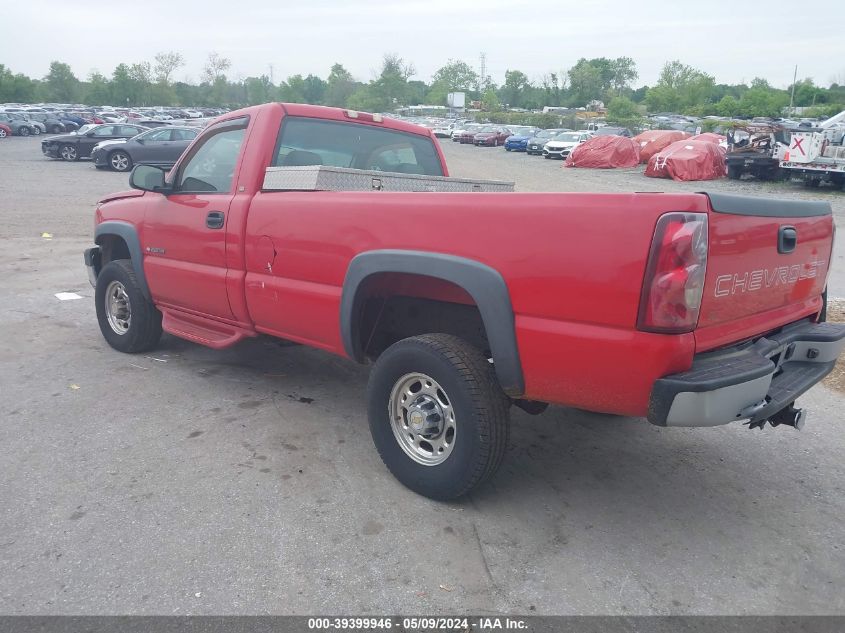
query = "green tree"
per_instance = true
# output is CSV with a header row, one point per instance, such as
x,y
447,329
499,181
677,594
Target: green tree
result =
x,y
339,86
60,84
727,106
215,67
166,64
623,74
16,88
141,76
292,90
624,111
98,91
585,82
763,100
679,88
314,89
490,101
259,90
456,75
389,91
516,85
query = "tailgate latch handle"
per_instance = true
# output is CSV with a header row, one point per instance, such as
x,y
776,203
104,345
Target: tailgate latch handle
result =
x,y
787,239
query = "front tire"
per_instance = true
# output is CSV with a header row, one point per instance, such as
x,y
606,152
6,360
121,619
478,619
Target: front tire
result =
x,y
24,131
437,415
120,161
68,152
129,322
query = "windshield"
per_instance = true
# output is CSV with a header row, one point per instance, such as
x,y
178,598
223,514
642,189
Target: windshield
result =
x,y
86,128
304,141
568,136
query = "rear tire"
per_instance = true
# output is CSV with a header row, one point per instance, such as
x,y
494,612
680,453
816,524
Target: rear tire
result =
x,y
734,172
457,388
24,131
130,323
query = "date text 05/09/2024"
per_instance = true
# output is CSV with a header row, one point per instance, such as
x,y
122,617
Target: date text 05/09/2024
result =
x,y
418,623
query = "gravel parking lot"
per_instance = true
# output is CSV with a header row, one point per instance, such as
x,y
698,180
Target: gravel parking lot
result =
x,y
245,480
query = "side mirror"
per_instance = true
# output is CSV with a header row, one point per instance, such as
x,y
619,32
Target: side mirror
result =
x,y
148,178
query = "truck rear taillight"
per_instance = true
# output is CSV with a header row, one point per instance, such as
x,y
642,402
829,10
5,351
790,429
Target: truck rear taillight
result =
x,y
674,276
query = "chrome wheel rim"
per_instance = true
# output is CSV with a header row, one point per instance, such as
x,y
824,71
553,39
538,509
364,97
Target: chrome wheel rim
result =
x,y
423,419
68,152
118,308
2,133
120,162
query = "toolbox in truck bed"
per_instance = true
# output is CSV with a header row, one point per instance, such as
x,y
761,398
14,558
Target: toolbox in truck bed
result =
x,y
324,178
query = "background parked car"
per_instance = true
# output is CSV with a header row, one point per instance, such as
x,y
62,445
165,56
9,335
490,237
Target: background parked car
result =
x,y
518,141
609,130
18,126
491,136
52,123
36,126
443,129
563,144
80,144
535,144
161,147
467,133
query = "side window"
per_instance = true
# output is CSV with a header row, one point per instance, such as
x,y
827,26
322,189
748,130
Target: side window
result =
x,y
211,168
129,130
159,136
105,130
183,135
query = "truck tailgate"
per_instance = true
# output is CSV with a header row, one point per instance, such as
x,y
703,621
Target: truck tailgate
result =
x,y
767,266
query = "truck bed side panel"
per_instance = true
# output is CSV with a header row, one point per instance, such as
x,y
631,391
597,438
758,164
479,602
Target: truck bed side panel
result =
x,y
573,265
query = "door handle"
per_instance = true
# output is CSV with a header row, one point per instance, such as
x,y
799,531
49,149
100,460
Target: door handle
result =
x,y
215,220
787,239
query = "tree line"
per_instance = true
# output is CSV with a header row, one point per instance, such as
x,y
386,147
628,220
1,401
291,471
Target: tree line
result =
x,y
680,88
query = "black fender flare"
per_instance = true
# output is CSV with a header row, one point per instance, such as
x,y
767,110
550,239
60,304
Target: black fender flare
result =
x,y
484,284
129,235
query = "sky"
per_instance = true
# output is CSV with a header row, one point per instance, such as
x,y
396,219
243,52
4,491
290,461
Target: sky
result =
x,y
733,40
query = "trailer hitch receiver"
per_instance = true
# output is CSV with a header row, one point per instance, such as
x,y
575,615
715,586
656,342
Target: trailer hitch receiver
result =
x,y
789,416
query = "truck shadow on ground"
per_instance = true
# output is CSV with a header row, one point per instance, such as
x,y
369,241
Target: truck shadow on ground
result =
x,y
564,457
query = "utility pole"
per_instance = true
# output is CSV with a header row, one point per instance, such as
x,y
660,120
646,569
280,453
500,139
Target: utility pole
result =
x,y
792,96
271,74
482,81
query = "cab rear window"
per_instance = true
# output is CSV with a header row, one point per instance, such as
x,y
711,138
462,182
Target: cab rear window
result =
x,y
307,141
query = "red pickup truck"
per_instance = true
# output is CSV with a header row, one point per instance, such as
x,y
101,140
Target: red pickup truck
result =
x,y
690,309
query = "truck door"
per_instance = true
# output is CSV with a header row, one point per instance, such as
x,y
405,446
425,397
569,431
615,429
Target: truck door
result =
x,y
184,236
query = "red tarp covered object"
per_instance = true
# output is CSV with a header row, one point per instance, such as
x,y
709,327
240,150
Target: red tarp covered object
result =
x,y
653,141
710,137
688,160
605,152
